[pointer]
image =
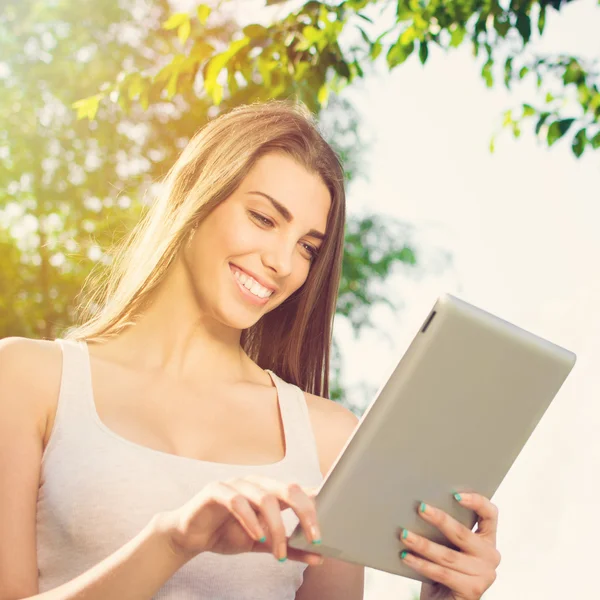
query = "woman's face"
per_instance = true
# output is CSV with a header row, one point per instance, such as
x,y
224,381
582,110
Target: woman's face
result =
x,y
255,249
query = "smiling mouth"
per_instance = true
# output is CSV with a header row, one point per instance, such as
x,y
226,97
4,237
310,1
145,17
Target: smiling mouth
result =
x,y
250,285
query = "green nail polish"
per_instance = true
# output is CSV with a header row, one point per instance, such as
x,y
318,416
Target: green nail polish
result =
x,y
316,542
422,507
457,496
403,554
404,534
263,539
282,559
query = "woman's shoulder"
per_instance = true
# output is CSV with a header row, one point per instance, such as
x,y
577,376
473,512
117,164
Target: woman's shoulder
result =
x,y
332,425
30,373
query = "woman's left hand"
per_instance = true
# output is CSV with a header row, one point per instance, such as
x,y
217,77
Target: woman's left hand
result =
x,y
463,574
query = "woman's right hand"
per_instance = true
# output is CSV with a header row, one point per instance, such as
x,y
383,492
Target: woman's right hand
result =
x,y
233,516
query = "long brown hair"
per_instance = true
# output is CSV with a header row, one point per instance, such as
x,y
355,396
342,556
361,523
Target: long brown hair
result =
x,y
293,339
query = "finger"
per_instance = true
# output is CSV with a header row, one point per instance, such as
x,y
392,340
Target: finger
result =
x,y
445,557
307,557
267,503
456,532
487,526
240,508
299,499
466,585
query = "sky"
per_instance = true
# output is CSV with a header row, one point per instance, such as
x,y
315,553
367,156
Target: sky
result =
x,y
521,226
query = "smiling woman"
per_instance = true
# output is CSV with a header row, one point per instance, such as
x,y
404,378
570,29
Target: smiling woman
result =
x,y
174,437
168,446
264,165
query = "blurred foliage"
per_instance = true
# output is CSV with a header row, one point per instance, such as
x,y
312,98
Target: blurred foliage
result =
x,y
323,46
70,188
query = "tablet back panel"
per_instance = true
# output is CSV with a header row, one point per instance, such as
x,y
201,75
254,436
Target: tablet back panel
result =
x,y
453,416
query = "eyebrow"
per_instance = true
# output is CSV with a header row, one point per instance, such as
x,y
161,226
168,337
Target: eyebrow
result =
x,y
287,215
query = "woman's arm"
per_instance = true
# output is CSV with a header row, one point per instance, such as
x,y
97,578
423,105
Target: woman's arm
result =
x,y
135,571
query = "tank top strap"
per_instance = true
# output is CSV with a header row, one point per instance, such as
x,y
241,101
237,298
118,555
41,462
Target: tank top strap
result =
x,y
301,445
75,385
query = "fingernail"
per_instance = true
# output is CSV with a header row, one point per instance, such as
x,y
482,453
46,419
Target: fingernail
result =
x,y
403,554
315,534
263,539
457,496
422,507
404,534
282,551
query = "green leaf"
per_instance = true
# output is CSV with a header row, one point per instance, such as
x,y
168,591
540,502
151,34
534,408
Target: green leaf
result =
x,y
201,50
457,36
356,4
543,117
172,84
136,85
87,107
183,33
323,95
542,19
216,64
573,73
579,142
174,21
423,51
376,49
528,110
523,72
486,73
595,141
369,20
365,37
557,129
311,33
203,11
358,68
301,68
217,94
524,26
254,31
398,53
508,71
501,25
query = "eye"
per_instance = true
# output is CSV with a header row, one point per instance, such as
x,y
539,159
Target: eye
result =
x,y
263,221
312,251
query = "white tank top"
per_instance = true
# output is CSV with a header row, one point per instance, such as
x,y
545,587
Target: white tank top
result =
x,y
98,490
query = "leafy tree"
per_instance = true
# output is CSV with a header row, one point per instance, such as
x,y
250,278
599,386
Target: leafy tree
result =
x,y
323,46
70,188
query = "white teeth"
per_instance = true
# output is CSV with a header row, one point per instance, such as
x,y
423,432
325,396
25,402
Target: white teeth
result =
x,y
252,285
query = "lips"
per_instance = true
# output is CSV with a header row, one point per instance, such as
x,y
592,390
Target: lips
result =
x,y
256,278
251,297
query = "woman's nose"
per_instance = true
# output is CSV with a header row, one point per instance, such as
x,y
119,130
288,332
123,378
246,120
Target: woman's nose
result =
x,y
279,259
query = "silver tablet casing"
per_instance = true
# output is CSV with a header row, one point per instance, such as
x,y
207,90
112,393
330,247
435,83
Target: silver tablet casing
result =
x,y
453,416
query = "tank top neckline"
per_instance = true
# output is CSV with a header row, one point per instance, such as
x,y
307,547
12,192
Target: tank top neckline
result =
x,y
281,401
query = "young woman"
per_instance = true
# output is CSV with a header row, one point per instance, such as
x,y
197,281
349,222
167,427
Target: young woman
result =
x,y
167,445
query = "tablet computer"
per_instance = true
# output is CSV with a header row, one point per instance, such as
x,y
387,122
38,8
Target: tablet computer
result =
x,y
453,416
